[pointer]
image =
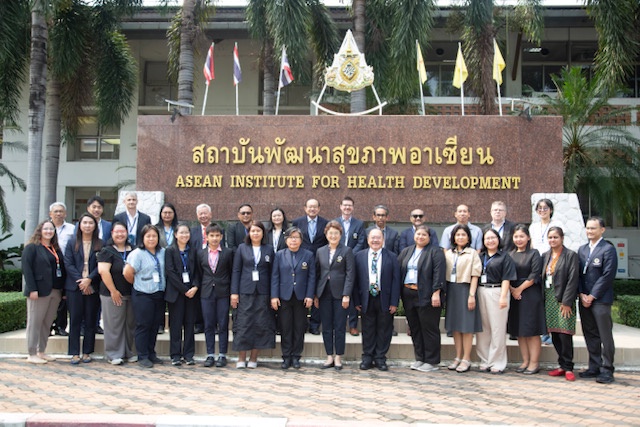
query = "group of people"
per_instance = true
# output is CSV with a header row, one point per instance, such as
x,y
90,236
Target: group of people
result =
x,y
503,278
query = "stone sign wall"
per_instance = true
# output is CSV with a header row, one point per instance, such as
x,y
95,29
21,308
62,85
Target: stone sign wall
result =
x,y
431,162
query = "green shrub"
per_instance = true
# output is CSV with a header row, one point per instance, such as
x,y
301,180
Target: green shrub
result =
x,y
629,310
13,311
10,280
626,287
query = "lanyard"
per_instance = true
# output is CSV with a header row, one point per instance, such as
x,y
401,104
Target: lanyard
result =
x,y
155,259
55,254
185,259
544,232
413,261
455,262
132,227
487,261
256,258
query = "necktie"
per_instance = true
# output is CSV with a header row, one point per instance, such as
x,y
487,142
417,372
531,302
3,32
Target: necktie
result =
x,y
312,230
374,289
346,225
204,237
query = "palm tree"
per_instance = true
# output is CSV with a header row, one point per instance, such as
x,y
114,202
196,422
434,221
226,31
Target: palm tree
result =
x,y
16,182
600,160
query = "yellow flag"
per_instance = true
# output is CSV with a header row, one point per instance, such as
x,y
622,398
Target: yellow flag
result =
x,y
460,73
420,65
498,63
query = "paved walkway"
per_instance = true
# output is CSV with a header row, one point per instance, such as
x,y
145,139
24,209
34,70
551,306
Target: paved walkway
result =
x,y
308,397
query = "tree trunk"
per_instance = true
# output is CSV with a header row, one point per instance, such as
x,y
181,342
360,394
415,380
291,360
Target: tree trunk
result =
x,y
269,81
52,142
187,36
37,103
359,97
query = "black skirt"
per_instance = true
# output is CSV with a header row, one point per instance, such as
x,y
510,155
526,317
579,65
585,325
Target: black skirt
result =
x,y
254,325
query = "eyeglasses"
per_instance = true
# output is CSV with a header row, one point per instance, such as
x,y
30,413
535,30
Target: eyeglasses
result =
x,y
246,213
543,209
417,216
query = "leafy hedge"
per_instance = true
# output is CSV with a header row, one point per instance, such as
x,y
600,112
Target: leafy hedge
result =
x,y
626,287
13,311
10,280
629,310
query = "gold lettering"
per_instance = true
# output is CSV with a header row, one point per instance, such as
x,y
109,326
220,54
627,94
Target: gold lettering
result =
x,y
180,182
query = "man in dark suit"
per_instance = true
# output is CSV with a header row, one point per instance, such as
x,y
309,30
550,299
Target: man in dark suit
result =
x,y
214,264
312,227
293,285
95,206
503,226
353,237
132,218
406,237
237,231
380,218
598,266
376,295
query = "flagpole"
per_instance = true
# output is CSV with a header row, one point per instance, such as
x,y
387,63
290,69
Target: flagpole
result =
x,y
461,83
420,82
206,91
499,98
237,109
280,79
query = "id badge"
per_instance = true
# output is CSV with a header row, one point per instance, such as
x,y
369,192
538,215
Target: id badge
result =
x,y
185,277
548,282
584,270
453,278
412,274
58,272
373,278
156,277
483,278
255,276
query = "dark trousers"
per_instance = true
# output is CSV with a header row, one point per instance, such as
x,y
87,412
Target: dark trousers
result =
x,y
334,321
563,344
424,323
352,313
82,309
182,316
215,312
377,329
293,318
597,327
148,309
61,314
314,319
199,314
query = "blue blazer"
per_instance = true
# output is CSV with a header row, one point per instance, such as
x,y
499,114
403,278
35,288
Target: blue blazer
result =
x,y
406,238
242,276
320,239
357,238
389,281
601,271
287,278
74,261
38,270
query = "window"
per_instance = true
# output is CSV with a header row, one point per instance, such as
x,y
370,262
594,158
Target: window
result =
x,y
94,142
157,87
82,194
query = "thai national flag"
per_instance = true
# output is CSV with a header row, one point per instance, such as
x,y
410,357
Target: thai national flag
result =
x,y
286,76
237,71
208,66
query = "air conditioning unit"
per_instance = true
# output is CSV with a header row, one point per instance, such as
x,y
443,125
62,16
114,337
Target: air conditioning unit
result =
x,y
622,249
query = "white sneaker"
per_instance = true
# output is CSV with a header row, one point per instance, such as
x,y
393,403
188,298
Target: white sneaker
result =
x,y
132,359
241,365
427,367
252,365
117,361
415,365
36,360
46,357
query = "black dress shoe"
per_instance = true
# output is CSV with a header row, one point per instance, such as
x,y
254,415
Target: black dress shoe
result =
x,y
338,367
382,365
156,360
605,378
176,361
286,363
209,362
296,363
99,330
531,371
198,329
314,331
520,369
588,374
366,365
62,332
328,365
221,362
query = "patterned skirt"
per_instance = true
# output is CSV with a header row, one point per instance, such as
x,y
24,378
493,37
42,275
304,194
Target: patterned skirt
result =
x,y
555,321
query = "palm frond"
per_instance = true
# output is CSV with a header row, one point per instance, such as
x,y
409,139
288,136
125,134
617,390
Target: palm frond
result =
x,y
529,17
323,33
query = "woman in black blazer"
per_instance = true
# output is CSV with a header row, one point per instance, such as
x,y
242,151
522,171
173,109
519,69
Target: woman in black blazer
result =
x,y
560,275
180,270
44,274
253,319
335,268
82,286
275,232
422,270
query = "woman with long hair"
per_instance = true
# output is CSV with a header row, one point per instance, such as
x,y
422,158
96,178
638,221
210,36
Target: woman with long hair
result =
x,y
44,276
278,224
82,286
115,296
167,224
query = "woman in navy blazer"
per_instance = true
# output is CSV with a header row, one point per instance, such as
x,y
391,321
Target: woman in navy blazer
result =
x,y
44,274
82,286
253,320
335,268
180,271
293,284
